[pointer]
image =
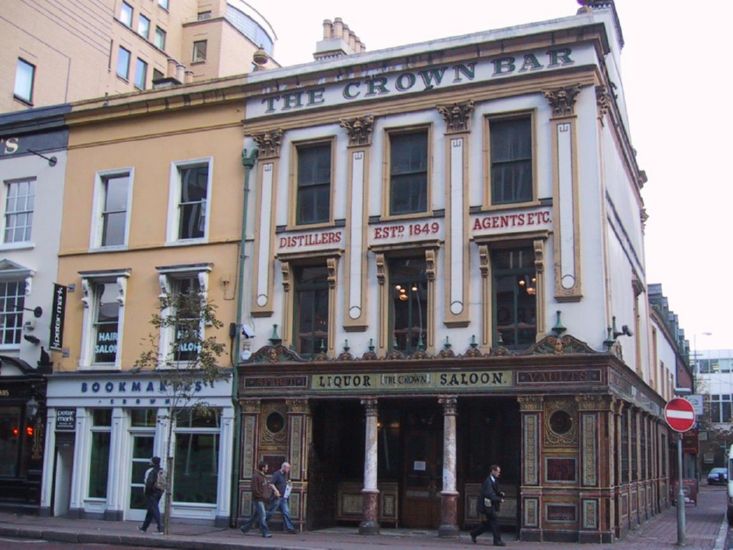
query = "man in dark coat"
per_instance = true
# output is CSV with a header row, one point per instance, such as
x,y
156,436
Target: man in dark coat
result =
x,y
262,491
152,496
489,504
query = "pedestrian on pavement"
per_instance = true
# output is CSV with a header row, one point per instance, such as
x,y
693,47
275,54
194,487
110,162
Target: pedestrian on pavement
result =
x,y
153,491
489,504
262,491
282,503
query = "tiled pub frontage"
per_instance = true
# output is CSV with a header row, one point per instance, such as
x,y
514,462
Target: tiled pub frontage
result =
x,y
383,443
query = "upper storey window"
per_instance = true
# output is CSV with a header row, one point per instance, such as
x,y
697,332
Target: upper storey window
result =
x,y
515,302
126,14
314,184
18,219
408,172
511,160
25,74
190,194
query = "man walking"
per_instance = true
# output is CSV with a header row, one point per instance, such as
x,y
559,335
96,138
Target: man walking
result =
x,y
489,504
262,490
282,503
152,492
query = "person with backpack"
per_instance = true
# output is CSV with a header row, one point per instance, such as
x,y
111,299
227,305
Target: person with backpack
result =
x,y
154,488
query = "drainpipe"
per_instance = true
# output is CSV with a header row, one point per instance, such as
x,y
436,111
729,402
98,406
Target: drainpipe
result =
x,y
248,161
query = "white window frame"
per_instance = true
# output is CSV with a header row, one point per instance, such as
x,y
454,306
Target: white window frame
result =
x,y
174,200
160,37
90,302
3,205
167,277
13,272
100,194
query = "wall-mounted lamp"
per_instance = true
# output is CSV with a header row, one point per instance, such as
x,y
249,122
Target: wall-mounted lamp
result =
x,y
51,160
31,407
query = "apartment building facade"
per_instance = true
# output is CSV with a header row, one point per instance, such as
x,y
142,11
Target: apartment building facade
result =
x,y
64,52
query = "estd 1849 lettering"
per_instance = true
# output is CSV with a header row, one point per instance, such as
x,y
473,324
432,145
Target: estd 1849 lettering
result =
x,y
409,230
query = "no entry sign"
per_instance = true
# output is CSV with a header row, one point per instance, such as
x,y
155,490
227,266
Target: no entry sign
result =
x,y
679,414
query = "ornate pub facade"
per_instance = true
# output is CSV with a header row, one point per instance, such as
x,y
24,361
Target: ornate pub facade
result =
x,y
445,265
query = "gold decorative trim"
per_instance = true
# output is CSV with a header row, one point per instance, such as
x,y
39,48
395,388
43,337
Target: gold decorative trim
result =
x,y
539,265
568,439
287,302
268,144
457,116
486,301
383,328
332,268
530,403
359,130
298,406
430,269
562,100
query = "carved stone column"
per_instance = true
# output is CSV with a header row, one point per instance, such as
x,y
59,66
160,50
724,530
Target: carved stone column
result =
x,y
370,510
449,494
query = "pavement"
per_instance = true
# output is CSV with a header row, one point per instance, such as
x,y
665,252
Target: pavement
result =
x,y
707,529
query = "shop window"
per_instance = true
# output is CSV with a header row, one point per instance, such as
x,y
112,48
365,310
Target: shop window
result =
x,y
511,160
314,184
196,462
408,304
123,63
100,447
10,440
190,188
25,75
199,51
311,309
12,302
106,322
143,418
19,205
408,185
635,466
514,295
111,202
103,318
185,288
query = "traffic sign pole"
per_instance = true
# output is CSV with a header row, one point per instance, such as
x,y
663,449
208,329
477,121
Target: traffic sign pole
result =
x,y
680,496
680,416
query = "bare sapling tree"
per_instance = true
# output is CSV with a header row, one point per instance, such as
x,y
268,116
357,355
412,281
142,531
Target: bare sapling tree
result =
x,y
183,351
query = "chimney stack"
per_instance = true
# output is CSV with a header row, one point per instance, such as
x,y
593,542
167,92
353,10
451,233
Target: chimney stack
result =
x,y
338,40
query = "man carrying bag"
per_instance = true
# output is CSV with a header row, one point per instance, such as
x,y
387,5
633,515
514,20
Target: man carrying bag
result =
x,y
489,504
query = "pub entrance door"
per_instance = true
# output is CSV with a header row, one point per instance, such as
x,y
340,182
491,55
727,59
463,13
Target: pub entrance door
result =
x,y
422,472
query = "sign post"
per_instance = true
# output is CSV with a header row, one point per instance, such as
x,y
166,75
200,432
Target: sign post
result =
x,y
680,416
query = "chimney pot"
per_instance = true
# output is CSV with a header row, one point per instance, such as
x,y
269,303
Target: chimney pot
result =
x,y
189,77
338,28
327,29
180,72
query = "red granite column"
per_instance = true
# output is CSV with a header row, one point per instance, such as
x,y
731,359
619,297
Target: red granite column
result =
x,y
449,495
370,494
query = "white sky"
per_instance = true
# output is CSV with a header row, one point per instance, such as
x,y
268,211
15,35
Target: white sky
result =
x,y
674,64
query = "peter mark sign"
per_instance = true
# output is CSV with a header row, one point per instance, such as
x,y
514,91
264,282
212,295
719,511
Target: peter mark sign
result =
x,y
679,414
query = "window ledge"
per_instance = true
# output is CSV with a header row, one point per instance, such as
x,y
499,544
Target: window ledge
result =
x,y
27,245
187,242
102,249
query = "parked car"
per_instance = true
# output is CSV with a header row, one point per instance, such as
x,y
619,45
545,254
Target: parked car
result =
x,y
718,476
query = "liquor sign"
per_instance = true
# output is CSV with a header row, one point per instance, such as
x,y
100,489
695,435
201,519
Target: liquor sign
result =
x,y
58,309
65,420
679,414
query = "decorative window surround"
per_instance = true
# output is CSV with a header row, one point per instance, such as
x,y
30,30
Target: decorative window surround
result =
x,y
89,300
167,276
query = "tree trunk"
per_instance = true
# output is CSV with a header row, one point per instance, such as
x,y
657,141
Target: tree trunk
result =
x,y
168,475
